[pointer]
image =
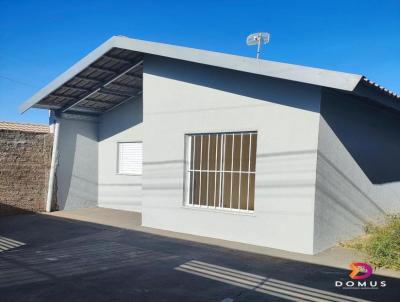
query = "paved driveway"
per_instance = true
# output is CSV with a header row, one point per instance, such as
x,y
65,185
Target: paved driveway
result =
x,y
48,258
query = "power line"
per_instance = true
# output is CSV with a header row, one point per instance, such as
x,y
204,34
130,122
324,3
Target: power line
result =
x,y
16,81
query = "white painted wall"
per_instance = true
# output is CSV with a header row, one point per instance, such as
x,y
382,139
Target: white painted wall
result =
x,y
181,98
77,164
358,170
123,124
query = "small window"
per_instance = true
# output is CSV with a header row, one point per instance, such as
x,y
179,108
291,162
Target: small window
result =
x,y
220,170
130,158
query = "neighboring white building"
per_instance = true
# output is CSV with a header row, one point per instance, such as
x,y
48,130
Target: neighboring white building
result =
x,y
254,151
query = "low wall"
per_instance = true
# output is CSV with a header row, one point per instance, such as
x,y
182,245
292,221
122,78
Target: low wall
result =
x,y
25,158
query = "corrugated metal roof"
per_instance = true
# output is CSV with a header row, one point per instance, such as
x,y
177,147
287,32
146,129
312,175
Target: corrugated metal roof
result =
x,y
112,79
383,89
24,127
112,74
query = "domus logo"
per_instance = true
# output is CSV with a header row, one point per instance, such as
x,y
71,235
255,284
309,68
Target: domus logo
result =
x,y
358,267
360,271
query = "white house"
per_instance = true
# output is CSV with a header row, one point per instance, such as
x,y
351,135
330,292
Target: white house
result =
x,y
254,151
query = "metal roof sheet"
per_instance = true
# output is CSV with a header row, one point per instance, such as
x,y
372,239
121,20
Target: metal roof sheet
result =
x,y
114,77
99,81
381,88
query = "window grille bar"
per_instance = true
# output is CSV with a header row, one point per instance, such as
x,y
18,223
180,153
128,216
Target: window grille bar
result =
x,y
208,166
222,173
215,173
233,148
248,176
240,169
201,166
192,164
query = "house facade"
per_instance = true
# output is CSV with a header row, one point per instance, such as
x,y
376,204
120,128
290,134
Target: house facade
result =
x,y
247,150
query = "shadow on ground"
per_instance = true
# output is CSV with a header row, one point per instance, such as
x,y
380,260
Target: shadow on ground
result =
x,y
66,260
8,210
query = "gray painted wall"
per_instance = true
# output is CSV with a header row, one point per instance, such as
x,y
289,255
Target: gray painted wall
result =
x,y
358,171
325,167
77,164
181,97
123,124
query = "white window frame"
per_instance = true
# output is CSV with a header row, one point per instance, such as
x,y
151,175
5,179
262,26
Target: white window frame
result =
x,y
188,179
118,159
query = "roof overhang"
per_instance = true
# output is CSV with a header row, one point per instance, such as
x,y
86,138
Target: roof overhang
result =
x,y
377,94
102,80
128,54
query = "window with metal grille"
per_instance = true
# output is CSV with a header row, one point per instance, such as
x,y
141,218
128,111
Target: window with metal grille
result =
x,y
220,170
130,158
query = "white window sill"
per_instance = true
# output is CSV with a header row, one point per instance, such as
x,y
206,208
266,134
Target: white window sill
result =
x,y
219,210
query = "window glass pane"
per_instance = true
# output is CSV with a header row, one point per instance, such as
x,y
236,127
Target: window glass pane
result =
x,y
243,191
213,152
204,152
211,188
235,190
253,153
251,192
245,152
226,193
197,153
228,153
236,153
203,188
196,186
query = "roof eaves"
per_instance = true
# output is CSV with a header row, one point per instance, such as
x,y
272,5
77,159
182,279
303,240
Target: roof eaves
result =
x,y
68,74
381,88
303,74
292,72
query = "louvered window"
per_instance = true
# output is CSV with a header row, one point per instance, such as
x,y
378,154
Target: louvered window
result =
x,y
130,158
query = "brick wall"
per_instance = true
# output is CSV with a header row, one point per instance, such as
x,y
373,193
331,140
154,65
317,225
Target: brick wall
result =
x,y
25,158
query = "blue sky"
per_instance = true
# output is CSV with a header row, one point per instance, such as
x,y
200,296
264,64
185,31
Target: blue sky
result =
x,y
41,39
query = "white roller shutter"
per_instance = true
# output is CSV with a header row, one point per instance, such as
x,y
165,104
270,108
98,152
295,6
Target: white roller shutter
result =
x,y
130,158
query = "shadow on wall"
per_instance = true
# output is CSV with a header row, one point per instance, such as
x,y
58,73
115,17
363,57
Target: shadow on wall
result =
x,y
293,164
77,165
65,165
117,120
371,134
358,176
283,92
